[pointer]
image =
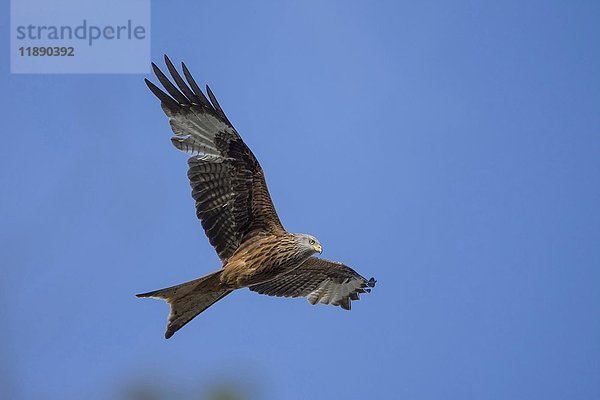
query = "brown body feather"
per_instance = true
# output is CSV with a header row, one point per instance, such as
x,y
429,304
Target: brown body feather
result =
x,y
262,258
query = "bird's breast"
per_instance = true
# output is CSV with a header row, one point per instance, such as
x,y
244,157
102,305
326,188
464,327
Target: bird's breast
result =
x,y
261,261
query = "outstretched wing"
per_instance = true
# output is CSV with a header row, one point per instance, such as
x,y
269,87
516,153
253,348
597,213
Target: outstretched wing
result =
x,y
320,281
228,183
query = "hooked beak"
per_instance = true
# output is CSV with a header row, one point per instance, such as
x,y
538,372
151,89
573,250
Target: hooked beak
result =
x,y
318,248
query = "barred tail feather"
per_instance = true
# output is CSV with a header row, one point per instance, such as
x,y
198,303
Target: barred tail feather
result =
x,y
189,299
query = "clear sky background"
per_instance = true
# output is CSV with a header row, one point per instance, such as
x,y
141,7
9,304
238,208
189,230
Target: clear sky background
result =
x,y
450,149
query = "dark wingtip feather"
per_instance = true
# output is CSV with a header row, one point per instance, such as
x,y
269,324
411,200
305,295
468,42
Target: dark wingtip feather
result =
x,y
169,87
216,104
195,88
168,62
367,285
162,96
187,92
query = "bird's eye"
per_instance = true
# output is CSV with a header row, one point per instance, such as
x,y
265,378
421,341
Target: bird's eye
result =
x,y
311,241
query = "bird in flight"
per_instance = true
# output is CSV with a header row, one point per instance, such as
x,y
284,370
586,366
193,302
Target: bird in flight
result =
x,y
238,216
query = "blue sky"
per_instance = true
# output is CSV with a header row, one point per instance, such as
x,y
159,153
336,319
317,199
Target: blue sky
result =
x,y
450,149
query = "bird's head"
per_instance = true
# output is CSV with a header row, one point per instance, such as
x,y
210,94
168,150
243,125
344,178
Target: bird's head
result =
x,y
309,243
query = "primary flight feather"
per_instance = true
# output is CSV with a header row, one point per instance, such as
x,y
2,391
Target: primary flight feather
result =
x,y
238,216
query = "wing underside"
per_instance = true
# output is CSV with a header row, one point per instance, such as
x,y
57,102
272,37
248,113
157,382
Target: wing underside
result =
x,y
320,281
228,184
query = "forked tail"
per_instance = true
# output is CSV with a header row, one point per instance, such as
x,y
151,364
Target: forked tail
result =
x,y
189,299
